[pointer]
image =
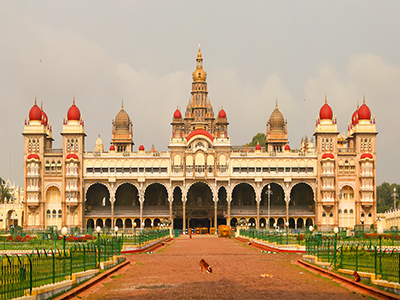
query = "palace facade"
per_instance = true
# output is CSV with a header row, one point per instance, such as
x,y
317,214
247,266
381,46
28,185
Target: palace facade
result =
x,y
201,180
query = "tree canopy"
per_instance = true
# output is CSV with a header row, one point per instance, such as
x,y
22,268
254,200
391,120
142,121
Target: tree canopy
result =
x,y
4,191
259,138
384,196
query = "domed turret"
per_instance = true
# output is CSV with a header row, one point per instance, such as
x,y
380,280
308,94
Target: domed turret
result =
x,y
222,114
99,145
177,114
199,75
354,117
276,120
73,113
122,120
364,113
141,147
326,112
35,114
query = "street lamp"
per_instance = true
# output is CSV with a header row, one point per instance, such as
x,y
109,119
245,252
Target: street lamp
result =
x,y
134,230
116,230
69,195
380,232
64,232
287,232
269,193
98,230
394,195
335,231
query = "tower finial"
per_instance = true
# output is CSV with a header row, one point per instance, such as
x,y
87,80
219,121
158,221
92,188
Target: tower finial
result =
x,y
122,104
364,99
35,100
326,99
276,103
73,101
41,105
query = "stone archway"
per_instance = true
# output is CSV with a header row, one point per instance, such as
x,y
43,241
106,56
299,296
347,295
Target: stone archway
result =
x,y
199,205
276,203
243,201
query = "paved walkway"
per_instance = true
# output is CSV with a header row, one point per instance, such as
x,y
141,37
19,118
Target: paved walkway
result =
x,y
173,273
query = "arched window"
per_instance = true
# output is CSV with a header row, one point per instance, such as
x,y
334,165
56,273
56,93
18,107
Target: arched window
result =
x,y
59,213
48,214
54,214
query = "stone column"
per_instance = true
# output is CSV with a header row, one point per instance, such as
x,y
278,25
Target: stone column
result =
x,y
215,212
229,199
184,216
258,215
112,200
141,200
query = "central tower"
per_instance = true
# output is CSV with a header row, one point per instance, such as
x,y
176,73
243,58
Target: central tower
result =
x,y
199,112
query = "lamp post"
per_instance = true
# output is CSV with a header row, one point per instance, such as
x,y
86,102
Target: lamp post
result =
x,y
335,231
69,210
98,230
134,230
64,232
269,193
287,232
394,195
380,232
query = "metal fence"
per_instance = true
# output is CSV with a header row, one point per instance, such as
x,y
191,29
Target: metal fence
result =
x,y
282,238
143,237
364,256
21,272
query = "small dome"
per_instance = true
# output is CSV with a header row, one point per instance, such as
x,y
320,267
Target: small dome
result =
x,y
222,114
99,141
72,156
35,114
325,112
258,147
276,120
177,114
153,149
141,147
364,113
112,148
328,155
73,113
122,120
33,156
287,148
367,156
354,118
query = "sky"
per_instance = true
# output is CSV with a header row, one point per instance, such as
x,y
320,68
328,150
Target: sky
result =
x,y
144,52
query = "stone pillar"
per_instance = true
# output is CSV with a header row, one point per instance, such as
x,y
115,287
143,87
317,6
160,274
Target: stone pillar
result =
x,y
184,216
141,200
112,212
215,213
258,215
229,199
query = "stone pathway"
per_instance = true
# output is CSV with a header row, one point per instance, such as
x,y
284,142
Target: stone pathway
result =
x,y
173,273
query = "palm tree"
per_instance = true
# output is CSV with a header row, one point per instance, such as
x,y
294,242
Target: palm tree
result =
x,y
5,192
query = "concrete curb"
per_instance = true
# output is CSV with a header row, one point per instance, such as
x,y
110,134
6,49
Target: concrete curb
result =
x,y
152,247
372,290
268,248
84,286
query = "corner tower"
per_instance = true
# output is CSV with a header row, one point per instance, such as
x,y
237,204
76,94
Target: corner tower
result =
x,y
122,132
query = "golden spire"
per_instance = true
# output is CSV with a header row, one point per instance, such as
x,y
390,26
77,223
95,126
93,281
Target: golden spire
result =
x,y
73,101
326,99
276,104
122,104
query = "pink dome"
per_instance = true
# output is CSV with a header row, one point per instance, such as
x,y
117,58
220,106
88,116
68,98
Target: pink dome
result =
x,y
72,156
258,147
354,118
364,113
141,147
35,114
45,120
325,112
199,132
73,113
287,148
177,114
222,114
367,155
33,156
112,148
328,155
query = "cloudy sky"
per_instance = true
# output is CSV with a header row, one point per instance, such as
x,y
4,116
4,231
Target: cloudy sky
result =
x,y
144,52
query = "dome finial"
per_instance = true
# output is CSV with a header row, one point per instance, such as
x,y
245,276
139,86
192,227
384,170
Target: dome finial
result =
x,y
35,100
73,100
122,104
358,105
326,99
276,102
364,99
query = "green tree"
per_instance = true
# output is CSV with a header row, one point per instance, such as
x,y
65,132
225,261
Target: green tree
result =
x,y
259,138
384,196
4,191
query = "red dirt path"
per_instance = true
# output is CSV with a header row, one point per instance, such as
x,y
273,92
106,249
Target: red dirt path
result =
x,y
173,273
